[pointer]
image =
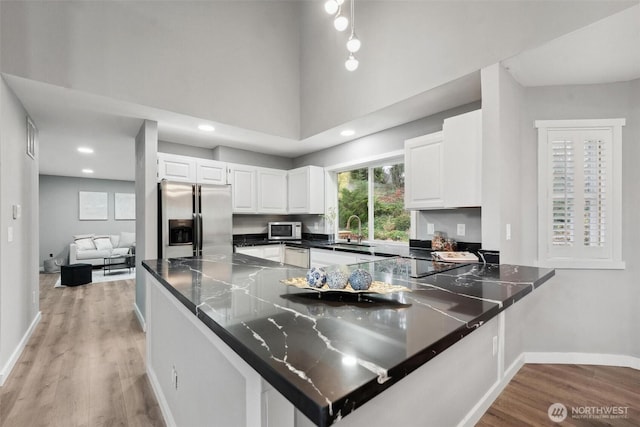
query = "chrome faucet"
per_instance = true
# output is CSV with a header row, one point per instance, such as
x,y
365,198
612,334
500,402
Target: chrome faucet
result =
x,y
359,226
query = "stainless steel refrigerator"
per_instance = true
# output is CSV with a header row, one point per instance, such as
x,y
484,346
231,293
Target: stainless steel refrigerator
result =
x,y
193,219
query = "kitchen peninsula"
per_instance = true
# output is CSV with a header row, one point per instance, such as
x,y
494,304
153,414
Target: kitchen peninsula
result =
x,y
229,344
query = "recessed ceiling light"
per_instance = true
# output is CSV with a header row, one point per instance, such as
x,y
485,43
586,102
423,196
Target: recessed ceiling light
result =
x,y
85,150
347,132
206,128
87,170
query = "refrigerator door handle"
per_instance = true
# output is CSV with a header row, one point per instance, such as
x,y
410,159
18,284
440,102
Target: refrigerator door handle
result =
x,y
196,233
200,234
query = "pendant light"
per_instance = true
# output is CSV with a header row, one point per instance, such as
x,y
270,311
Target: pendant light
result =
x,y
341,22
351,63
331,6
353,44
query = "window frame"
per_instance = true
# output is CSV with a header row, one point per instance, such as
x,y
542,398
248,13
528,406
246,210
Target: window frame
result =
x,y
369,162
576,257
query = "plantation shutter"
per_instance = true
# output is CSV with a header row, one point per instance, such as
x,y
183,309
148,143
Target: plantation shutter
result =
x,y
579,195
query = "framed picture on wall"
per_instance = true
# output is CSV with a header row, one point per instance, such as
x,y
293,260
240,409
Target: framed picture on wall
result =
x,y
125,206
92,206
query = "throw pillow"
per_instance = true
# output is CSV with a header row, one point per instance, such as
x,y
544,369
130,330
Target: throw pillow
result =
x,y
102,243
127,239
85,244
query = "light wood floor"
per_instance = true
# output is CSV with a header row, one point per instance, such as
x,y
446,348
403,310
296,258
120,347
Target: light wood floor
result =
x,y
84,364
525,401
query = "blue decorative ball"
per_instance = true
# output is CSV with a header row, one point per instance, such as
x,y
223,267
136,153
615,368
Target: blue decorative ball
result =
x,y
337,279
316,277
360,279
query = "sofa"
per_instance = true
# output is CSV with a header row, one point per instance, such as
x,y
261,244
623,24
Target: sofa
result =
x,y
93,249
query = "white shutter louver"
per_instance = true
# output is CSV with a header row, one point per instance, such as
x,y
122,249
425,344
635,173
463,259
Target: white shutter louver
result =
x,y
580,196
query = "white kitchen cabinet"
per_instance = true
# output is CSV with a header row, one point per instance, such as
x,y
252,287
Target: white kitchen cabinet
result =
x,y
243,188
463,160
444,169
423,166
270,252
272,191
327,257
176,168
211,172
306,190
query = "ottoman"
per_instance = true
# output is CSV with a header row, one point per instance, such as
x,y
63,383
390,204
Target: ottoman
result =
x,y
75,274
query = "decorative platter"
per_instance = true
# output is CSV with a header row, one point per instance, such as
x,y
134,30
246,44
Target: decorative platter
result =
x,y
376,287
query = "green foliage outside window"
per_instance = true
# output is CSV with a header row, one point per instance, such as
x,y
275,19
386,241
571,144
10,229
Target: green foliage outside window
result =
x,y
391,221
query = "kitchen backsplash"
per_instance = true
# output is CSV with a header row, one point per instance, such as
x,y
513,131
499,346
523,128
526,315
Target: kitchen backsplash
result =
x,y
447,220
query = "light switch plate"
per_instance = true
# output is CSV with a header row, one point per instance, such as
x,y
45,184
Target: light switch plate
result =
x,y
431,228
10,234
461,229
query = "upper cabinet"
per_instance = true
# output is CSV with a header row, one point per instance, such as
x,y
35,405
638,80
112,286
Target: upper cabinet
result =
x,y
306,190
211,172
243,188
444,169
463,160
174,167
272,191
423,165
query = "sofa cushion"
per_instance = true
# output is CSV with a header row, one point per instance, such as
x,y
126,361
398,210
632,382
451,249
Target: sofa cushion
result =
x,y
120,251
93,253
127,239
115,240
103,243
85,244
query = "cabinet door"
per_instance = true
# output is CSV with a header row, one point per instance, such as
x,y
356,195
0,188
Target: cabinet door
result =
x,y
254,251
272,191
176,168
462,136
423,162
326,257
306,190
211,172
273,253
243,188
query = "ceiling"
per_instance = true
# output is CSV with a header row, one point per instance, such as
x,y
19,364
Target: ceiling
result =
x,y
606,51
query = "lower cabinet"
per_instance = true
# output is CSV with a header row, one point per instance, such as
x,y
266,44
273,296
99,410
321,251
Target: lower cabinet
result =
x,y
327,257
270,252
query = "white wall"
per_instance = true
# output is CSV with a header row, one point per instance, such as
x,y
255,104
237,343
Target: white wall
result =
x,y
245,157
58,198
19,291
410,47
236,62
184,150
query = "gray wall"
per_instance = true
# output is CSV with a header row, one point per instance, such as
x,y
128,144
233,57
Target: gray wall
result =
x,y
59,212
447,220
245,157
185,150
382,142
19,288
234,62
410,47
146,209
591,311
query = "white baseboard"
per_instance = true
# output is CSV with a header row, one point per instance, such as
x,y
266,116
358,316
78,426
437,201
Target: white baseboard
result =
x,y
140,318
478,410
162,401
583,359
11,363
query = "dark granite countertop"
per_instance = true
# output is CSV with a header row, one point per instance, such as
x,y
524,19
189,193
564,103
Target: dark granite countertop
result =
x,y
329,354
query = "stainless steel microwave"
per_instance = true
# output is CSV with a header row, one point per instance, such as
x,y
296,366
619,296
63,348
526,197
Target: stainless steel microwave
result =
x,y
285,230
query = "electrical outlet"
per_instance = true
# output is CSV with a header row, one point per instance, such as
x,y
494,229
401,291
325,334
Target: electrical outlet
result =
x,y
508,232
461,229
33,296
431,228
174,377
495,345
